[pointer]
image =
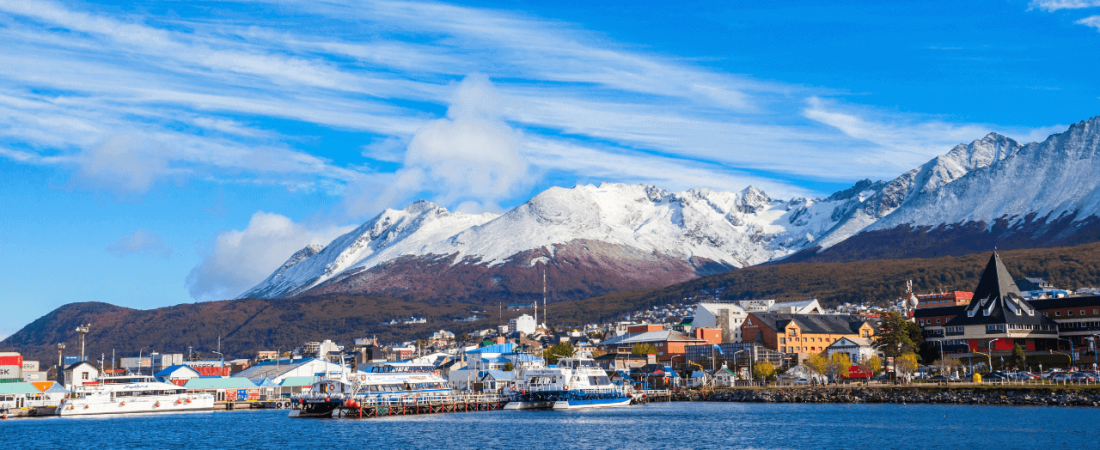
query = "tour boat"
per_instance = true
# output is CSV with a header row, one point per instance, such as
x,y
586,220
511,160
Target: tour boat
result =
x,y
388,383
132,395
574,383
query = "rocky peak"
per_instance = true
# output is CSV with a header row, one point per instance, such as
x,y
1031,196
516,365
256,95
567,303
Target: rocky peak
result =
x,y
752,200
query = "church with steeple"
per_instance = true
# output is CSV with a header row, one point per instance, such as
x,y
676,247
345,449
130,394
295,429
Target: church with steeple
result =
x,y
998,317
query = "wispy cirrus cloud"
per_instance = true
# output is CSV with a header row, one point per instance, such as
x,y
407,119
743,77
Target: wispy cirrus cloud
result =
x,y
1091,21
1055,5
204,89
141,243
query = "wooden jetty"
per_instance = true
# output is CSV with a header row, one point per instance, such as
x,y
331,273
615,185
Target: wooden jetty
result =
x,y
418,406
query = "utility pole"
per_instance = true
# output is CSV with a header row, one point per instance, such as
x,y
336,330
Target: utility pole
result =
x,y
83,330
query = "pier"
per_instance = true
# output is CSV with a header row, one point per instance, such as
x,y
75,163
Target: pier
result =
x,y
423,405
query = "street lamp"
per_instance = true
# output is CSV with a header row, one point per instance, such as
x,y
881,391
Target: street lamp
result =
x,y
990,355
83,330
60,369
141,361
1072,361
942,362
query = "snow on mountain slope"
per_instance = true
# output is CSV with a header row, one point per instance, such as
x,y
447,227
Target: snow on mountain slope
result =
x,y
1049,179
929,177
700,226
389,235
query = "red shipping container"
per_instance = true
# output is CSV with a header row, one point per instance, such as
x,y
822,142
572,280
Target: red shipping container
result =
x,y
16,360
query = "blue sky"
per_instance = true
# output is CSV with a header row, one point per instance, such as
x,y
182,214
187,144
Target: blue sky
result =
x,y
156,153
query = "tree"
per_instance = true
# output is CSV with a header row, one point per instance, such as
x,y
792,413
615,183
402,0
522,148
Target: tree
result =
x,y
1019,359
818,362
508,366
763,370
839,365
873,365
898,336
643,349
558,351
906,363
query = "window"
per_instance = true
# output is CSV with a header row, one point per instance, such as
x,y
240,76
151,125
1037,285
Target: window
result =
x,y
1057,313
1095,311
937,320
1082,312
782,340
84,376
1069,313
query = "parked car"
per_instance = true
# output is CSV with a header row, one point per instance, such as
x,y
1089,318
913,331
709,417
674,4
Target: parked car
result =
x,y
1081,377
802,382
938,378
1060,377
995,377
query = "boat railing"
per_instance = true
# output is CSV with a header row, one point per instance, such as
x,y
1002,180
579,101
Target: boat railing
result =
x,y
431,400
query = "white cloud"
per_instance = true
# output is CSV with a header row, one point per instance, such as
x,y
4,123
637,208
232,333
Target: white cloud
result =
x,y
124,162
141,243
470,157
1090,21
1054,5
900,142
238,259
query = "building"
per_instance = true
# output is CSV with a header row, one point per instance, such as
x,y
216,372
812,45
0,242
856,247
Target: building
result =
x,y
726,317
711,335
858,349
803,334
944,299
178,375
998,317
670,345
266,355
811,306
621,358
523,324
225,389
80,374
279,370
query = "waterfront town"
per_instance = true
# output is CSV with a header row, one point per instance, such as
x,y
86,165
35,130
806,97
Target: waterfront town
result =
x,y
1007,330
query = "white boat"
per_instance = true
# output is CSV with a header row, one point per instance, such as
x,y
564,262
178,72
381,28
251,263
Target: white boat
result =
x,y
395,382
574,383
132,395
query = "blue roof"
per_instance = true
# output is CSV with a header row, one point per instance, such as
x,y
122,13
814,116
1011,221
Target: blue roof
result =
x,y
496,348
168,370
524,357
499,374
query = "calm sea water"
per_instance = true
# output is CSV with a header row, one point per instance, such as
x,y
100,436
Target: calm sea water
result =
x,y
665,425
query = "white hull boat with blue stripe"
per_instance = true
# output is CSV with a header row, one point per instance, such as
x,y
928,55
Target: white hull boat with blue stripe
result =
x,y
574,383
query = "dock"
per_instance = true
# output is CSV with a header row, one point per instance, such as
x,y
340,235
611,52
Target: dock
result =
x,y
420,406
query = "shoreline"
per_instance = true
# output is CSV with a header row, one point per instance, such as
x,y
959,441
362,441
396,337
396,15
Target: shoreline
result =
x,y
962,395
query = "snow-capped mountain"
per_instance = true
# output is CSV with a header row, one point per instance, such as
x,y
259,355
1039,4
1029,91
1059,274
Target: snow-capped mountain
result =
x,y
610,237
704,230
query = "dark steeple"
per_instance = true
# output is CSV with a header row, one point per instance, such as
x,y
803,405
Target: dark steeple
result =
x,y
996,282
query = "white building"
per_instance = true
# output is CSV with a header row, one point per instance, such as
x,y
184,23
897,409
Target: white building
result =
x,y
79,374
858,349
727,317
811,306
523,324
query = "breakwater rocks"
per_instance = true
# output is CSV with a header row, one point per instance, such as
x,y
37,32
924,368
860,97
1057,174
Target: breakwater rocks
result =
x,y
1021,396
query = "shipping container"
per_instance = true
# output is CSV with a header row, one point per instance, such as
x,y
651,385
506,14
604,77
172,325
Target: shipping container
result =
x,y
30,366
34,377
8,371
11,359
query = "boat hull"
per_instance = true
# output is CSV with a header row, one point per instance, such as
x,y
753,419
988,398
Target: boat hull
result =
x,y
76,408
517,405
587,404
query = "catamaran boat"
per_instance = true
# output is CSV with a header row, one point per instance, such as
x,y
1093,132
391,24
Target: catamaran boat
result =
x,y
130,395
574,383
394,382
